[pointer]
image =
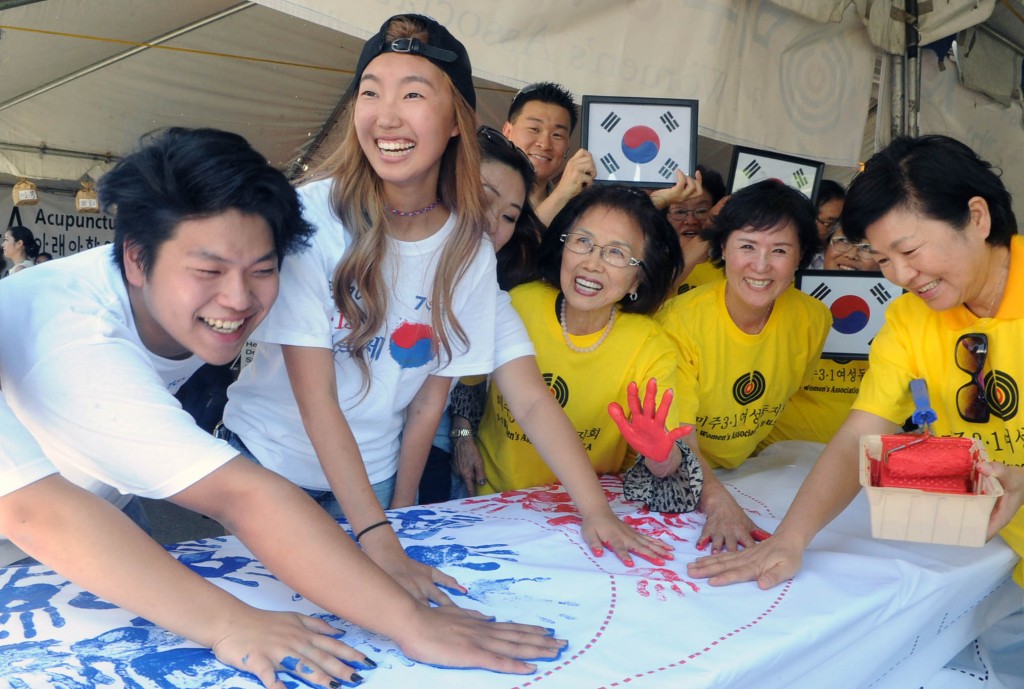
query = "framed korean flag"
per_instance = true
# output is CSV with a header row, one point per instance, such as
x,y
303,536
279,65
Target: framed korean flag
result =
x,y
750,165
640,141
857,301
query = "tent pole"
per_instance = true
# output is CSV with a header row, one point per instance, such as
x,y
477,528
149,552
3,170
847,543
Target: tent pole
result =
x,y
913,69
897,97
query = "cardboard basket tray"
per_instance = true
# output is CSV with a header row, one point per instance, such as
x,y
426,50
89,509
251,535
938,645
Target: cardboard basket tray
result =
x,y
922,516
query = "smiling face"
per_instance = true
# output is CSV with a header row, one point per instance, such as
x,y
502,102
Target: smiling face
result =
x,y
404,117
505,193
542,131
942,265
208,288
760,264
591,285
688,223
853,259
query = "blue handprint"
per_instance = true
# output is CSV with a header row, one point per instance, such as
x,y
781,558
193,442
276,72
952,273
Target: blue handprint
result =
x,y
26,600
206,563
455,555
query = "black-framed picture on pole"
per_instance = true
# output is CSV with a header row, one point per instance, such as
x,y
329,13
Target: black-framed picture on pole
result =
x,y
751,165
640,141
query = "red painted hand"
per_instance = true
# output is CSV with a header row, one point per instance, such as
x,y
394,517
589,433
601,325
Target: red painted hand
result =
x,y
645,429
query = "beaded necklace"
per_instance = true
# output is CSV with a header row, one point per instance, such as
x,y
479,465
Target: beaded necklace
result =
x,y
410,214
565,330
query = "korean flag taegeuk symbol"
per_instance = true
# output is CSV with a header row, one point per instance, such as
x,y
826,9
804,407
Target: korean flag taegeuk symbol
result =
x,y
857,303
639,142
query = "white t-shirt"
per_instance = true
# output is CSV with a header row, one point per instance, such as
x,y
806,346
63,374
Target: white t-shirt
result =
x,y
261,407
99,403
21,462
511,340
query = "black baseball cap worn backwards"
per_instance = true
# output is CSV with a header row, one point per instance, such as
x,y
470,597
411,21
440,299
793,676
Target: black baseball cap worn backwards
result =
x,y
441,48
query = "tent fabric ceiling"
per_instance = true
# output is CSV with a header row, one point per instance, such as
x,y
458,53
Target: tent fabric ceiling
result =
x,y
269,76
274,70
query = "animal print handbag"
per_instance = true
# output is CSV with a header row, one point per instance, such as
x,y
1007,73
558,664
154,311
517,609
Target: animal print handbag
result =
x,y
676,493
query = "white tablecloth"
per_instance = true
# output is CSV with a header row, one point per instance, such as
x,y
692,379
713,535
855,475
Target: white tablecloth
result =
x,y
862,612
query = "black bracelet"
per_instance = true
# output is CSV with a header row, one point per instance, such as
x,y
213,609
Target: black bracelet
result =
x,y
371,527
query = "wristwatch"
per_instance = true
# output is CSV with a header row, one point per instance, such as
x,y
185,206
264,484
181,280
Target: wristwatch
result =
x,y
457,433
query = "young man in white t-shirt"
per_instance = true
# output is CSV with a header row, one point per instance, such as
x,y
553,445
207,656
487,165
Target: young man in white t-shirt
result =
x,y
94,346
99,548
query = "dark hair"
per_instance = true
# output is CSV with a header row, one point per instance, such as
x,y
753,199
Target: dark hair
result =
x,y
761,207
934,176
662,259
712,182
24,235
44,256
517,260
438,45
830,190
183,174
545,92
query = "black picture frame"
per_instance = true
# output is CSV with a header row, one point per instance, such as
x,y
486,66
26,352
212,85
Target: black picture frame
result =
x,y
640,142
750,165
857,300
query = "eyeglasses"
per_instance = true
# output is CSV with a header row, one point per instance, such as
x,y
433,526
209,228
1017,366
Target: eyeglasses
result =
x,y
683,213
828,223
496,137
971,353
579,243
844,246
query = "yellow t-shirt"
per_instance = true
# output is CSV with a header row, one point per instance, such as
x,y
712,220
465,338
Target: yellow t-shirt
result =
x,y
817,410
584,384
701,274
732,385
917,342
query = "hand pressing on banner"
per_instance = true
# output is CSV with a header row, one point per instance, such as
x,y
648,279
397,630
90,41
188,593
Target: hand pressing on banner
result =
x,y
645,429
467,464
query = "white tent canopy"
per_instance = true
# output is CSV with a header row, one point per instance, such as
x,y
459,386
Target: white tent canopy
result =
x,y
82,81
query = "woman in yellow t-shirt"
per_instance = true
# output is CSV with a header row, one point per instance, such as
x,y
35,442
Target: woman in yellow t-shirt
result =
x,y
605,262
941,224
746,343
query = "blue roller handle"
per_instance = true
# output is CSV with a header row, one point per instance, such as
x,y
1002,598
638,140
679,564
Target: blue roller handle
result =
x,y
923,413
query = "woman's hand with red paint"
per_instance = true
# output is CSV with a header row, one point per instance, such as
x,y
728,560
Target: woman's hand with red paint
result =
x,y
645,429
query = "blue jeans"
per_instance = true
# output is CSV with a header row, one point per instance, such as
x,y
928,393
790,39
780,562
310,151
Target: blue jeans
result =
x,y
384,490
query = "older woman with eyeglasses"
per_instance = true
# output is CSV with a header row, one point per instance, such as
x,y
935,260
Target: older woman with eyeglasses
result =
x,y
941,224
605,264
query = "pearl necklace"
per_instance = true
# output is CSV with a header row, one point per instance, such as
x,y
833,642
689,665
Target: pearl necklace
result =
x,y
565,331
410,214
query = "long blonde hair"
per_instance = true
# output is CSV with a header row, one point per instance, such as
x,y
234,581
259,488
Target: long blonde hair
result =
x,y
357,198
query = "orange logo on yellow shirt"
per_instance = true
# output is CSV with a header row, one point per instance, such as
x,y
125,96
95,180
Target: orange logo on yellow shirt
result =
x,y
748,388
559,388
1002,394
